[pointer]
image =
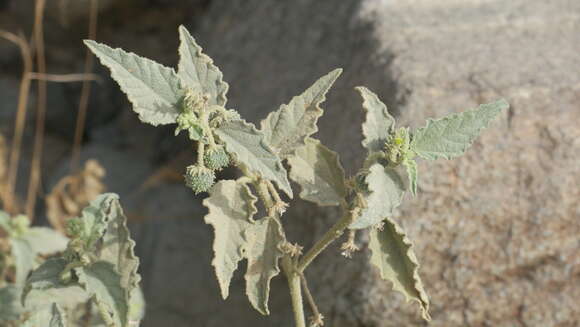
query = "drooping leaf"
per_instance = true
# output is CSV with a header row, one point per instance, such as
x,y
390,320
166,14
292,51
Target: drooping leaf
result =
x,y
386,191
450,136
247,144
319,172
45,241
153,89
230,213
10,307
102,281
45,286
198,72
412,174
24,259
263,254
378,123
288,127
392,254
95,219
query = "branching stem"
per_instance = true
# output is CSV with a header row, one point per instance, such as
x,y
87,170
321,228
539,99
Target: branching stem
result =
x,y
332,234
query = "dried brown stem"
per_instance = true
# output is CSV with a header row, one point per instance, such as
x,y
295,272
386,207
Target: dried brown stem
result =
x,y
86,88
40,110
65,78
10,202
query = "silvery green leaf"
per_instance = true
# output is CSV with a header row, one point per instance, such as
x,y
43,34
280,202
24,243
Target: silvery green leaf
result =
x,y
247,145
45,286
450,136
45,240
378,123
103,282
288,127
230,211
24,259
117,247
392,253
319,173
198,72
386,192
412,174
95,218
265,237
136,307
153,89
10,307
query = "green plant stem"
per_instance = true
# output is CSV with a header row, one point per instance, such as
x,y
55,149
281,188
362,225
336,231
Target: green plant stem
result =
x,y
332,234
200,153
294,283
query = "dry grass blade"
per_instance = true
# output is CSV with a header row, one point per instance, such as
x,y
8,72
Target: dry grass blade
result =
x,y
10,201
86,89
74,192
40,110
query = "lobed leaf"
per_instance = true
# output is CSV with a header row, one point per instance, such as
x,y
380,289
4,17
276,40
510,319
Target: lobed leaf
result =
x,y
50,316
450,136
248,146
288,127
318,171
378,122
265,237
230,213
386,192
198,72
45,241
154,90
392,254
103,282
95,218
117,247
45,286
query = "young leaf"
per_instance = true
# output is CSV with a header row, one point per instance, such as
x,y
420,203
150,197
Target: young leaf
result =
x,y
247,144
392,253
319,172
198,72
378,123
10,307
153,89
386,192
102,282
230,213
263,254
450,136
45,241
412,172
288,127
24,259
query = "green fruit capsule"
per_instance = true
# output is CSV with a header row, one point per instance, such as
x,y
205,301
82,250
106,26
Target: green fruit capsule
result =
x,y
216,158
199,179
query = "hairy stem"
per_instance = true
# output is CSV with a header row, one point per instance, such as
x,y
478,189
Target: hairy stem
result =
x,y
332,234
317,317
295,291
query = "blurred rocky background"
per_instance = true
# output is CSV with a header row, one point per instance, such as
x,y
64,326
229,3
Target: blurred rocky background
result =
x,y
497,231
